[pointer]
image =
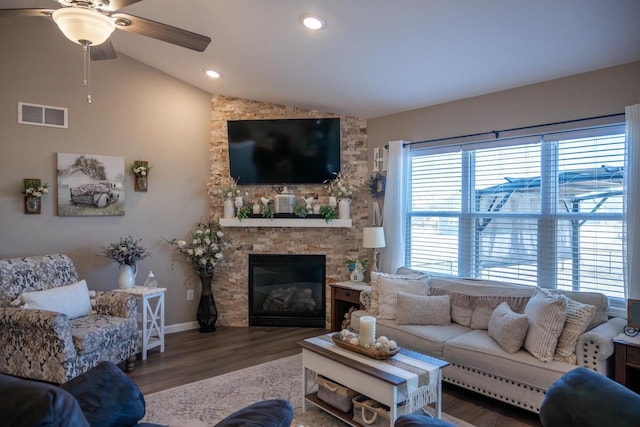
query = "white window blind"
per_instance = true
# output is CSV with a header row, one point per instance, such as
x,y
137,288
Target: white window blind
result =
x,y
544,211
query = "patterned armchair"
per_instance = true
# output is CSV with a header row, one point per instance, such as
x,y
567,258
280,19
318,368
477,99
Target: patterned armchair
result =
x,y
48,346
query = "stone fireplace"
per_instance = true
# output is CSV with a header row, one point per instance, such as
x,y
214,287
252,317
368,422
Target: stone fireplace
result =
x,y
287,290
231,281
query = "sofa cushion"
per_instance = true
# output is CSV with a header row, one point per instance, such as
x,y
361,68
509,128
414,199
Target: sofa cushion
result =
x,y
477,350
423,309
579,316
427,339
90,333
107,396
384,289
546,313
72,300
508,328
473,300
37,404
267,413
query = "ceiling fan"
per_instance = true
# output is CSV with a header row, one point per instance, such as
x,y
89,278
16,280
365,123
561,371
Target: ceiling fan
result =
x,y
91,22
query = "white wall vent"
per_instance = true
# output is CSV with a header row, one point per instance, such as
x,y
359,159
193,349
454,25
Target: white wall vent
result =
x,y
43,115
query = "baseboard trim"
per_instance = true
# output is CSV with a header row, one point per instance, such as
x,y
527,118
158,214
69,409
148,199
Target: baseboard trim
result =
x,y
179,327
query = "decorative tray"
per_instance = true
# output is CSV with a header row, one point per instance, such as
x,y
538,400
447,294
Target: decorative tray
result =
x,y
375,354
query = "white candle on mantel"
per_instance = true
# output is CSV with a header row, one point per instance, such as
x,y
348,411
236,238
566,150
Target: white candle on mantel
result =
x,y
367,330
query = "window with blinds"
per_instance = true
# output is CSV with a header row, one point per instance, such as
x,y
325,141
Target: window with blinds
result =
x,y
543,211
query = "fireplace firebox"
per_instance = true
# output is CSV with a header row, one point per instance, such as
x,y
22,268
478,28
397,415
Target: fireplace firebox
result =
x,y
287,290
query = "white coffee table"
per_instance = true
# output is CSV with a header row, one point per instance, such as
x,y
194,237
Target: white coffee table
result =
x,y
376,379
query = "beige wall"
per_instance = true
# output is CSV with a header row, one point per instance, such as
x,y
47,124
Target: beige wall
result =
x,y
137,113
596,93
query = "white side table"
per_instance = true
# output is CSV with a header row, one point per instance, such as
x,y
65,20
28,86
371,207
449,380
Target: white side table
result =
x,y
152,321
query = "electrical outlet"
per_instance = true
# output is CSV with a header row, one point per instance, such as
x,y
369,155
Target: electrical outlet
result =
x,y
189,294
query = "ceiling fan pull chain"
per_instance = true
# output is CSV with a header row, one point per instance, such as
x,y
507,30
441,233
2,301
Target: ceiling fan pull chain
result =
x,y
86,80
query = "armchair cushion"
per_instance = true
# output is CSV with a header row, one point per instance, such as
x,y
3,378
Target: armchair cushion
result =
x,y
419,420
585,398
107,396
37,404
72,300
90,333
267,413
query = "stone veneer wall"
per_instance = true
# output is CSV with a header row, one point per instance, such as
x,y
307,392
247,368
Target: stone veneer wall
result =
x,y
230,286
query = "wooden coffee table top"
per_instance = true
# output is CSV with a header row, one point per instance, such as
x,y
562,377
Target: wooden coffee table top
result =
x,y
368,369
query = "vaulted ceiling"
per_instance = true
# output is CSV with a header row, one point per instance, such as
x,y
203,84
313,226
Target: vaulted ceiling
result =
x,y
379,57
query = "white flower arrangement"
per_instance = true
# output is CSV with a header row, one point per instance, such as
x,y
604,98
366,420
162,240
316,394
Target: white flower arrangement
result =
x,y
230,189
32,189
343,185
140,168
205,249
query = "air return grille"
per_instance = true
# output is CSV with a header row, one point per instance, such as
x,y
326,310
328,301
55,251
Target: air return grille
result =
x,y
43,115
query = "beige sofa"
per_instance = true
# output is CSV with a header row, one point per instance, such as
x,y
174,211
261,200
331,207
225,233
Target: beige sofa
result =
x,y
477,362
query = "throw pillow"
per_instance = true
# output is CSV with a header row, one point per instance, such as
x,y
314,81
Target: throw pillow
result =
x,y
72,300
423,310
376,278
108,397
388,286
546,314
579,316
508,328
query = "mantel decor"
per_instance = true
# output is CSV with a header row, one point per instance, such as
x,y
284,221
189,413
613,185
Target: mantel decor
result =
x,y
33,192
140,170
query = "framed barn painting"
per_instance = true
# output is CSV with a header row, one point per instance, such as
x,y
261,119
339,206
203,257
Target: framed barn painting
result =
x,y
90,185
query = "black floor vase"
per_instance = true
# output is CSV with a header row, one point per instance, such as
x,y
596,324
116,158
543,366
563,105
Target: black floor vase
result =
x,y
207,312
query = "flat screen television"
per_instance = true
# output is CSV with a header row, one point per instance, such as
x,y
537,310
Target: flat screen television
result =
x,y
284,151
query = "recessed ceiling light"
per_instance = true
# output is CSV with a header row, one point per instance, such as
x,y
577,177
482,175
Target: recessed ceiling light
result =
x,y
313,22
212,74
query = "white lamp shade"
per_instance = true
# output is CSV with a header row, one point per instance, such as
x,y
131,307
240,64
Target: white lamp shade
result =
x,y
79,24
373,237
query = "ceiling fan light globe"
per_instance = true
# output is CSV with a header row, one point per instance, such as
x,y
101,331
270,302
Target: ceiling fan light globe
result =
x,y
81,24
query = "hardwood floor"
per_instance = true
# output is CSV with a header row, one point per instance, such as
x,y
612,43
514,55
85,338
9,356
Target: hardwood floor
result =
x,y
192,356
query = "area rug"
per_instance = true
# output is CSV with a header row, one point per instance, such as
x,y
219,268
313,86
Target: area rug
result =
x,y
203,403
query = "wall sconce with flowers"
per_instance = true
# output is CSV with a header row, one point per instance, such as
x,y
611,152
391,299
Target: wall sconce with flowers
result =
x,y
33,192
140,170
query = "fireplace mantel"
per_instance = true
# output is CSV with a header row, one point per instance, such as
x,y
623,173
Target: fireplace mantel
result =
x,y
286,222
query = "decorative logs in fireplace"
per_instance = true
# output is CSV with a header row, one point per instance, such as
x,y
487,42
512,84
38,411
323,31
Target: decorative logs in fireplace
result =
x,y
290,299
287,290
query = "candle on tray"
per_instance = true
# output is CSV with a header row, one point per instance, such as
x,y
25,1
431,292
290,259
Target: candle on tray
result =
x,y
367,330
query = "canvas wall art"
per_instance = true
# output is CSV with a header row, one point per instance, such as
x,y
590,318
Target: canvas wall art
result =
x,y
90,185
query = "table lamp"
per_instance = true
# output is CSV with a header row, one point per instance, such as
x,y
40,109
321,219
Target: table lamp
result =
x,y
373,237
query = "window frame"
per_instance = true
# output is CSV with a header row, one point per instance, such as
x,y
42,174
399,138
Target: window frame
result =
x,y
547,219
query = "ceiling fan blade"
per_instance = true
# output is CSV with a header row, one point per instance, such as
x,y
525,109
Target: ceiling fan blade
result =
x,y
103,51
118,4
25,12
164,32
